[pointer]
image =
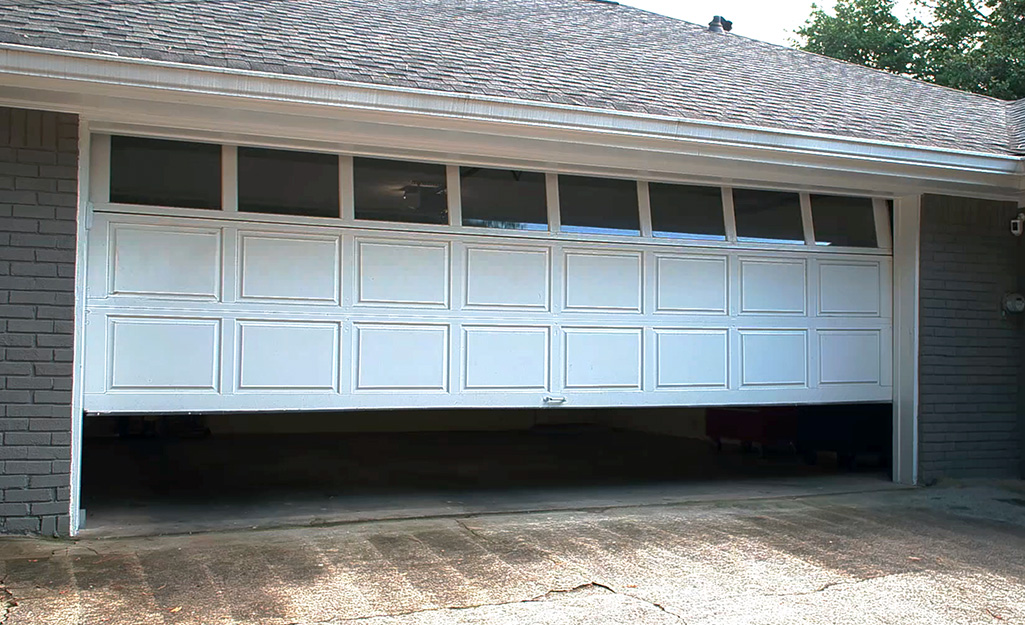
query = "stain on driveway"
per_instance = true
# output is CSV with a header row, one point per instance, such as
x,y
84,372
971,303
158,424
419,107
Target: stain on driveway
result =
x,y
950,555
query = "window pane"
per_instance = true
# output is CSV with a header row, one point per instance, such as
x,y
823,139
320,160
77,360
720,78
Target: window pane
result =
x,y
498,198
165,173
400,191
685,211
284,182
768,216
598,205
845,221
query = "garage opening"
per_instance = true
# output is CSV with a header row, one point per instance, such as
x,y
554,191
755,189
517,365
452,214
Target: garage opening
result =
x,y
185,473
452,338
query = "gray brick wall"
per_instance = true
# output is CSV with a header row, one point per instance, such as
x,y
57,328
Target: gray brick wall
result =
x,y
970,355
38,198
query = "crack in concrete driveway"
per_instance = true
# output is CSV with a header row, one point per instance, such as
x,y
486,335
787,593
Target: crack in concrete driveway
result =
x,y
935,555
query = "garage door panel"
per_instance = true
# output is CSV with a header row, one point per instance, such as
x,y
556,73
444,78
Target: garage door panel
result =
x,y
850,288
162,354
597,358
506,358
403,274
850,357
773,358
287,356
508,278
164,262
688,284
344,317
773,286
603,282
293,269
402,356
691,358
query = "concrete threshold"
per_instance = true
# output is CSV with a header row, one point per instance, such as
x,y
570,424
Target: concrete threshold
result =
x,y
167,518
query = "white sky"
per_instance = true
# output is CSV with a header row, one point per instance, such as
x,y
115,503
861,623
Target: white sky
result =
x,y
769,20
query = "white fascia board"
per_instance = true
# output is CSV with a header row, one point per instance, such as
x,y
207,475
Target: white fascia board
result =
x,y
87,84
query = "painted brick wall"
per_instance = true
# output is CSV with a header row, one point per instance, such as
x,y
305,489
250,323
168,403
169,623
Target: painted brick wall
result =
x,y
38,197
971,357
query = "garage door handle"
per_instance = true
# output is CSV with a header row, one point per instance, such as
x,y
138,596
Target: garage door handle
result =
x,y
548,399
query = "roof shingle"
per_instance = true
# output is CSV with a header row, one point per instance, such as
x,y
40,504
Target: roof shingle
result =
x,y
576,52
1016,118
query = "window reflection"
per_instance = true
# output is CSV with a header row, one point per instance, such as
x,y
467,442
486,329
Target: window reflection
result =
x,y
400,191
768,216
685,211
598,205
507,199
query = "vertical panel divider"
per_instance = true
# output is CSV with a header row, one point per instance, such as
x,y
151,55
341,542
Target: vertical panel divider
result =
x,y
644,204
728,214
349,277
734,353
649,362
455,196
806,219
558,295
884,238
552,196
99,169
814,287
229,178
231,354
231,264
346,188
458,274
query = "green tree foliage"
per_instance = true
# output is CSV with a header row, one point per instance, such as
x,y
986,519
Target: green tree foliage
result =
x,y
974,45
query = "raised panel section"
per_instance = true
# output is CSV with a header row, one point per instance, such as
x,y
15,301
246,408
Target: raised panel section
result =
x,y
773,286
774,358
691,358
849,289
691,284
284,355
403,274
603,281
299,269
510,358
149,353
849,356
402,357
165,262
507,278
597,358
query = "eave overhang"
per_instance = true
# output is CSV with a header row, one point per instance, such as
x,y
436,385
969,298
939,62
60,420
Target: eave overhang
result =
x,y
116,94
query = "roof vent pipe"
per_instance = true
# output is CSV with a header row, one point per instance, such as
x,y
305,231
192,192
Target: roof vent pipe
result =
x,y
718,25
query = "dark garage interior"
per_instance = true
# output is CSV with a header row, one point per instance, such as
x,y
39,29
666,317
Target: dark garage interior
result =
x,y
183,473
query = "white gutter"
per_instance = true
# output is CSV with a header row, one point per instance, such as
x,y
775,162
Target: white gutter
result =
x,y
97,73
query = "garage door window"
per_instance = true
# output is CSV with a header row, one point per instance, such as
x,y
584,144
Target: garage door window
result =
x,y
400,191
768,216
501,198
845,221
284,182
686,212
155,172
598,205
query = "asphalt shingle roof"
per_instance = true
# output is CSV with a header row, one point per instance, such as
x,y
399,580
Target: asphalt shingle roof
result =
x,y
1016,116
575,52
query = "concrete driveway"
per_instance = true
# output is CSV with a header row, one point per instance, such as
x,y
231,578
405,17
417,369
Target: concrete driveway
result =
x,y
940,555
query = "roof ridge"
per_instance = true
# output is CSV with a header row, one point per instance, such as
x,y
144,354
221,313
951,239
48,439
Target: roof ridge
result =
x,y
799,51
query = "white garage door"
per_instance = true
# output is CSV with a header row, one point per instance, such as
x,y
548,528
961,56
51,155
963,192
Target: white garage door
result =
x,y
199,310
